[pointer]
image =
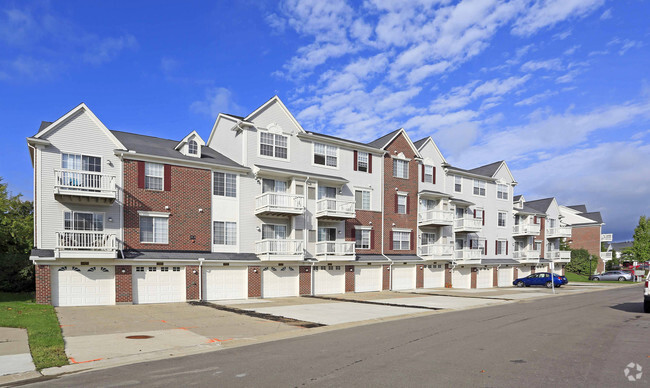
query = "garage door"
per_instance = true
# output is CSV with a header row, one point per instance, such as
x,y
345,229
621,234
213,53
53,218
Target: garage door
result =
x,y
523,272
404,277
83,285
434,276
159,284
505,277
484,278
279,282
541,268
329,279
225,283
558,269
461,278
367,278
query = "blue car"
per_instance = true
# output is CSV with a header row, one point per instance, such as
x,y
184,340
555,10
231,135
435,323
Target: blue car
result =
x,y
541,279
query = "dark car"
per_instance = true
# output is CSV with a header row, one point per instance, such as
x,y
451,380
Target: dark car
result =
x,y
621,276
541,279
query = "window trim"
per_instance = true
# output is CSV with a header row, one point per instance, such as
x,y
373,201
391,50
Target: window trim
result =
x,y
162,185
286,231
358,231
153,228
501,252
72,213
474,186
225,186
225,233
313,155
101,161
259,146
460,178
505,219
395,160
369,198
408,241
368,156
189,147
406,203
507,191
424,175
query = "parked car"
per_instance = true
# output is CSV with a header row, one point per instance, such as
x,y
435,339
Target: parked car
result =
x,y
621,276
646,295
541,279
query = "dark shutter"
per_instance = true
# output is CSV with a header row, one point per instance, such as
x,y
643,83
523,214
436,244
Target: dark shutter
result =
x,y
496,247
474,213
434,175
353,233
412,238
141,175
535,220
396,204
483,218
485,248
507,247
391,241
168,177
470,244
423,173
369,163
372,239
408,205
356,157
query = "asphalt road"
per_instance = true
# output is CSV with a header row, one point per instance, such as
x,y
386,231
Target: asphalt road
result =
x,y
568,341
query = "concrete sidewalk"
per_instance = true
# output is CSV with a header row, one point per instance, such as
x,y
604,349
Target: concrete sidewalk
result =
x,y
14,352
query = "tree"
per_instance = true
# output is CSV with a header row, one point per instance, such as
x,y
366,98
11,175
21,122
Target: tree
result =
x,y
582,262
613,263
640,249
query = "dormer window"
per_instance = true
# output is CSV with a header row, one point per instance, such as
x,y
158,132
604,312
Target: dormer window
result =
x,y
192,147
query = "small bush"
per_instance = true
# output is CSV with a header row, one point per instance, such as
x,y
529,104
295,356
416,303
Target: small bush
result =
x,y
16,273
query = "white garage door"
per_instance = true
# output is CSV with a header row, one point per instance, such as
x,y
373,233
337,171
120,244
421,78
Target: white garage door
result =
x,y
523,271
159,284
484,278
225,283
329,279
506,276
83,285
558,269
367,278
404,277
461,278
279,282
541,268
434,276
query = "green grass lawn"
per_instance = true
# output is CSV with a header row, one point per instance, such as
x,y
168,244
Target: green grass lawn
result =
x,y
574,277
42,324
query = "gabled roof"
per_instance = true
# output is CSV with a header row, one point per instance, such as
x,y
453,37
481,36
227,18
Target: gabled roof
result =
x,y
284,107
44,124
594,216
531,210
517,198
487,170
418,144
540,204
423,142
580,208
234,116
187,138
385,140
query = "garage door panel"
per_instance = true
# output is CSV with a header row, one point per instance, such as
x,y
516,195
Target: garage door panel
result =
x,y
83,285
329,280
404,277
484,278
523,272
159,284
225,283
280,282
367,278
434,276
461,278
505,277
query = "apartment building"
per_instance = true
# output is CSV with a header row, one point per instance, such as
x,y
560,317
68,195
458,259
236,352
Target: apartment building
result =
x,y
586,232
265,208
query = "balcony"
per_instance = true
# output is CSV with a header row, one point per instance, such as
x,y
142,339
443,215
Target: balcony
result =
x,y
335,250
335,208
468,255
84,186
558,256
606,256
526,230
526,256
74,244
279,249
606,237
279,204
436,217
467,224
436,251
562,231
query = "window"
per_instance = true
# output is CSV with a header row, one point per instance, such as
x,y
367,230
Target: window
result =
x,y
427,204
401,241
164,269
362,238
501,219
538,245
154,230
501,247
273,145
326,234
502,191
192,147
225,185
458,184
176,269
400,168
362,199
81,162
479,213
139,269
428,238
428,174
273,186
83,221
362,161
326,192
326,155
479,187
225,233
271,231
401,204
153,176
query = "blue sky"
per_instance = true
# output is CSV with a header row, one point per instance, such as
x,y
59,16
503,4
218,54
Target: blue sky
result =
x,y
559,89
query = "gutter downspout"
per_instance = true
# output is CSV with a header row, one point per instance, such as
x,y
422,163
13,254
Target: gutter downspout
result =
x,y
200,277
305,237
383,225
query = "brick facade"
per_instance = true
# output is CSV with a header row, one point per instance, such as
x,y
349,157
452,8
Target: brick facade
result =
x,y
190,190
447,276
305,280
254,281
474,276
349,278
419,276
366,218
542,234
385,277
43,284
516,274
532,269
123,284
587,237
495,277
192,274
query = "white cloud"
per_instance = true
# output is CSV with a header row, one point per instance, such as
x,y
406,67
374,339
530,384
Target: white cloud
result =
x,y
549,64
534,99
544,14
606,15
217,100
106,49
461,96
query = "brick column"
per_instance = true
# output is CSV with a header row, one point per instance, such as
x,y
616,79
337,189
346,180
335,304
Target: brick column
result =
x,y
349,278
474,277
43,284
516,274
305,280
532,269
385,277
447,276
419,276
123,284
563,271
495,277
254,281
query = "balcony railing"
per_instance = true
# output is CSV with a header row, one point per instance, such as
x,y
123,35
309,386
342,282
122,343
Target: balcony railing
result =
x,y
562,231
279,247
467,224
529,254
436,217
606,237
279,203
555,255
468,253
606,256
337,208
335,248
526,230
436,250
85,241
84,183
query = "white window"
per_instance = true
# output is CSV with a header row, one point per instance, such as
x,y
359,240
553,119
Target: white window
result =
x,y
502,191
81,162
273,186
83,221
501,247
153,176
479,187
401,241
225,185
362,199
154,230
273,145
362,238
400,168
402,201
271,231
501,219
326,192
225,233
538,245
362,161
326,234
326,155
427,204
192,147
428,239
479,213
428,174
458,184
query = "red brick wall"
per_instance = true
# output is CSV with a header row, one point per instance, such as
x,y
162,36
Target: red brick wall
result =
x,y
385,277
474,277
365,217
532,269
516,274
419,276
495,277
123,284
192,282
542,233
408,221
588,237
447,276
305,280
191,190
563,270
349,278
43,284
254,281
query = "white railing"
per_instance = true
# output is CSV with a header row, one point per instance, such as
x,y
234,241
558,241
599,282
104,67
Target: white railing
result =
x,y
558,255
436,250
279,247
468,253
82,240
562,231
86,181
279,202
606,255
335,248
335,207
468,223
526,229
606,237
445,217
526,254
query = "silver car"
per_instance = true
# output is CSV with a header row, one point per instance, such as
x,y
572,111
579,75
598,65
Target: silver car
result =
x,y
621,276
